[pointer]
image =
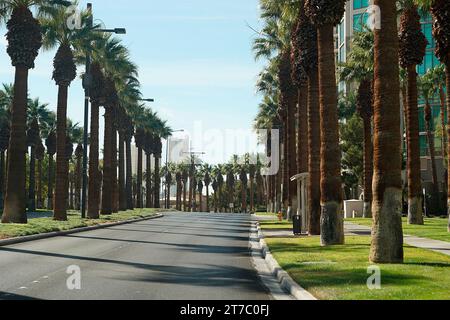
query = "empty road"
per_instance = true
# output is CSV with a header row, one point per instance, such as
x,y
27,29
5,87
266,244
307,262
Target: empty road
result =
x,y
179,257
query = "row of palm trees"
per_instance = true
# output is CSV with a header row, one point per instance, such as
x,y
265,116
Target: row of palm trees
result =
x,y
238,182
299,85
41,142
113,84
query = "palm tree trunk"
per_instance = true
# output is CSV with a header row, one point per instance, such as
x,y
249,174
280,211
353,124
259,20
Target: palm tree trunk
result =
x,y
78,176
190,194
292,147
15,199
115,185
157,182
168,196
122,191
415,208
2,177
50,183
332,225
32,182
71,190
200,193
368,166
314,138
244,197
129,176
148,180
252,194
207,199
387,234
447,74
60,211
184,195
435,207
107,165
140,203
444,131
94,176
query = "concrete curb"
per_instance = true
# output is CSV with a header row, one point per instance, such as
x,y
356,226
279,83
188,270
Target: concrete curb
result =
x,y
16,240
285,280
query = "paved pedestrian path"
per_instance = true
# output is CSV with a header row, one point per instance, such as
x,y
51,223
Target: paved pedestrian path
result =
x,y
355,229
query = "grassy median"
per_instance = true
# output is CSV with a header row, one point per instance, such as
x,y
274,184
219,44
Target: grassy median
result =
x,y
340,272
45,225
434,228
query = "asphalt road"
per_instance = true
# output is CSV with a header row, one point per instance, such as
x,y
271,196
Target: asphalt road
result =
x,y
179,257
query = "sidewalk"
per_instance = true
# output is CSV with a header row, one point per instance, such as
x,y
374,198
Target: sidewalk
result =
x,y
352,229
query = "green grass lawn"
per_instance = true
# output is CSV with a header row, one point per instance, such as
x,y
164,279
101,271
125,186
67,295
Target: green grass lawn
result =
x,y
434,228
45,225
340,272
275,224
266,214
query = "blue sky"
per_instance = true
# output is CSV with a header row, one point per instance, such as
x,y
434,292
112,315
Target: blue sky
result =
x,y
194,59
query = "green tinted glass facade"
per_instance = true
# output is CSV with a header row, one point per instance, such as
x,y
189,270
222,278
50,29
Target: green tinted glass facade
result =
x,y
359,4
359,20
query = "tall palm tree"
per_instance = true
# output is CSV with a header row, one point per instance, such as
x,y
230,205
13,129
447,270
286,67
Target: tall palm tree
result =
x,y
178,179
200,186
50,143
128,136
325,15
33,139
425,84
6,98
24,41
252,174
305,41
437,74
207,180
230,181
185,179
40,154
148,171
56,34
97,98
359,68
244,185
387,234
412,51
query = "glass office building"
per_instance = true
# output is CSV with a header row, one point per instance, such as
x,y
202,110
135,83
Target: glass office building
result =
x,y
356,15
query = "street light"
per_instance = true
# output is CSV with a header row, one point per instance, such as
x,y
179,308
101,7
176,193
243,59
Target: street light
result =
x,y
167,155
86,85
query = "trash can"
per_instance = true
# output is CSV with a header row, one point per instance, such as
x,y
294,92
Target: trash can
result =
x,y
297,221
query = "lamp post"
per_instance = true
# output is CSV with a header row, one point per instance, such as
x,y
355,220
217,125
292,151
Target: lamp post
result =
x,y
87,81
166,202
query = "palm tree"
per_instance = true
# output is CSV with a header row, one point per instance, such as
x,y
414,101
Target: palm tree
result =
x,y
387,234
40,154
215,187
178,178
412,51
207,179
185,178
252,174
148,172
97,99
230,181
437,74
244,181
157,147
56,34
38,119
359,68
425,84
24,41
6,98
50,143
33,139
139,139
128,135
325,15
200,186
122,190
305,41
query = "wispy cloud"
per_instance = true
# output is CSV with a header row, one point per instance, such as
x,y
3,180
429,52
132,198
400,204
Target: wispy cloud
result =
x,y
195,18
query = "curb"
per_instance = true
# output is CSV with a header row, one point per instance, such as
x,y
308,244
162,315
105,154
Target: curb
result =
x,y
16,240
285,280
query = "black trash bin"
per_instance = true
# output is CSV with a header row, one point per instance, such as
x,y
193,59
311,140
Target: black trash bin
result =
x,y
297,225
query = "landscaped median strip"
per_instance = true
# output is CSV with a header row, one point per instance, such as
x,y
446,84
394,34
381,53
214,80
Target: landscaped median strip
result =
x,y
285,280
45,235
